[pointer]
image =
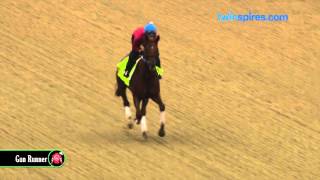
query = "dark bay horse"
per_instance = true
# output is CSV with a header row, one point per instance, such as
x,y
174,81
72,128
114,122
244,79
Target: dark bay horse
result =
x,y
144,85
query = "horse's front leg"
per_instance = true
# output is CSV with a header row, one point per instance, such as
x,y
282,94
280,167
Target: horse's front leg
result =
x,y
162,108
136,102
144,127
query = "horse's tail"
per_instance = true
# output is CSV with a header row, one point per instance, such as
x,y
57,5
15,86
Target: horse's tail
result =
x,y
118,91
120,86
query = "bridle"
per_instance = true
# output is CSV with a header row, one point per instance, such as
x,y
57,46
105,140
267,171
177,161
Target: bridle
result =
x,y
151,64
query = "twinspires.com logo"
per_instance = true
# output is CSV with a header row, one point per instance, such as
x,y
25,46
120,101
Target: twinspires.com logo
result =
x,y
251,17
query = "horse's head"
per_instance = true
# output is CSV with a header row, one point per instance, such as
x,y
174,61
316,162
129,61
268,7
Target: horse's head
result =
x,y
151,52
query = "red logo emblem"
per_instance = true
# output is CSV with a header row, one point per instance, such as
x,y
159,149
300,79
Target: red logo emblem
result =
x,y
57,158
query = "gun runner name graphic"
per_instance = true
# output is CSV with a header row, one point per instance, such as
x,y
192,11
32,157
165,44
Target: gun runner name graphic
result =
x,y
31,158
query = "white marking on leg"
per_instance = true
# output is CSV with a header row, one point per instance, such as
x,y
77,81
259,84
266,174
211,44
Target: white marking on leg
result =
x,y
127,112
162,117
144,124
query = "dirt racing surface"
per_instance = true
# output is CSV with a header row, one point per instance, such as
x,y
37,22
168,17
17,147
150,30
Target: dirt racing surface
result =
x,y
242,99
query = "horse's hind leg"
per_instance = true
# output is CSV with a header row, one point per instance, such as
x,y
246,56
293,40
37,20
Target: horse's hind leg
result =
x,y
162,107
121,91
127,110
144,128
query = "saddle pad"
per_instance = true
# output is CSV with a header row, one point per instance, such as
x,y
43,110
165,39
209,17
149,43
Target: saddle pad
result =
x,y
121,66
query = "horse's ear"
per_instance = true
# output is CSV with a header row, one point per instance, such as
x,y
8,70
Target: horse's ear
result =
x,y
158,38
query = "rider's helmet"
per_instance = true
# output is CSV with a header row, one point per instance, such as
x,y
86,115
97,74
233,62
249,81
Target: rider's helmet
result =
x,y
150,28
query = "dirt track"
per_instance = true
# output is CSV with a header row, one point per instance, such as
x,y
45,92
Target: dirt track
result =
x,y
242,98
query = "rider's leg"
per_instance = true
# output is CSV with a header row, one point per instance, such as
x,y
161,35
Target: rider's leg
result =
x,y
133,56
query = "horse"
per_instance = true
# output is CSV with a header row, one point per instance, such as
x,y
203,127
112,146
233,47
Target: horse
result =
x,y
144,85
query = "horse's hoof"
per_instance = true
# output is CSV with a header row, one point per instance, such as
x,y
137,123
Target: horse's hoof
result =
x,y
144,135
162,133
130,125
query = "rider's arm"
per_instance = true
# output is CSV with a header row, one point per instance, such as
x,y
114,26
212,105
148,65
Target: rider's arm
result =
x,y
141,48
